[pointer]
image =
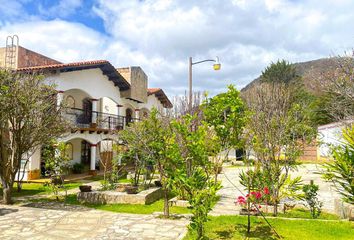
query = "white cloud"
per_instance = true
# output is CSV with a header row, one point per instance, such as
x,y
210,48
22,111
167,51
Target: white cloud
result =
x,y
63,8
160,35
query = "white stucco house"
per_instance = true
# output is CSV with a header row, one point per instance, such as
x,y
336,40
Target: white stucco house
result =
x,y
100,99
330,135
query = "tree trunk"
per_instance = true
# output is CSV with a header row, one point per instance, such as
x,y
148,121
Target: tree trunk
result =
x,y
248,218
201,231
6,192
166,207
275,209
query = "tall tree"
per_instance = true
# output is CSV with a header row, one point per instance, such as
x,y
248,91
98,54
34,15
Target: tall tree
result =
x,y
29,117
279,126
226,114
154,140
338,88
198,185
280,72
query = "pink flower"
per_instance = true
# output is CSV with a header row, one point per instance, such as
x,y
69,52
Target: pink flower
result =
x,y
257,195
266,190
241,200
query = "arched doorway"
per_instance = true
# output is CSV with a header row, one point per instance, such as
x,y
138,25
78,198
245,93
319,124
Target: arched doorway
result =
x,y
128,116
85,153
86,116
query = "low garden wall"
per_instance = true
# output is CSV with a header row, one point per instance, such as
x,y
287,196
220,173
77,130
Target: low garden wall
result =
x,y
112,197
344,210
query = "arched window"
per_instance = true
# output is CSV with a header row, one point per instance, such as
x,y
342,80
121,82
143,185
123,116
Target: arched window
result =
x,y
69,151
70,101
128,116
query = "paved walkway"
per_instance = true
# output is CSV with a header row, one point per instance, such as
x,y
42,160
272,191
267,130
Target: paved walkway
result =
x,y
52,221
228,193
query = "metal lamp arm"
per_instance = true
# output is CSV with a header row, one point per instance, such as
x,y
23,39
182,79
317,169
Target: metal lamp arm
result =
x,y
208,60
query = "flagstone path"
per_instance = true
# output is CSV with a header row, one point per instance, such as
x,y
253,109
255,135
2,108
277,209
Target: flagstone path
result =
x,y
52,221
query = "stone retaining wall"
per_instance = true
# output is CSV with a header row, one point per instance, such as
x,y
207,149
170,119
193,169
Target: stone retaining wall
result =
x,y
112,197
344,210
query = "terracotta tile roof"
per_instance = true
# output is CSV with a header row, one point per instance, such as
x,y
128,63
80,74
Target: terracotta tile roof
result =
x,y
151,91
106,67
160,94
63,65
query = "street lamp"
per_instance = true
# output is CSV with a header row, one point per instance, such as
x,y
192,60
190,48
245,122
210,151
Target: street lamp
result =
x,y
216,67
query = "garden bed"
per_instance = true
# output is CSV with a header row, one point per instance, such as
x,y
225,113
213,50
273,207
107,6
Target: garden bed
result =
x,y
113,197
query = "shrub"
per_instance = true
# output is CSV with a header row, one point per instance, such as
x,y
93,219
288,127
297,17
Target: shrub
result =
x,y
310,196
78,168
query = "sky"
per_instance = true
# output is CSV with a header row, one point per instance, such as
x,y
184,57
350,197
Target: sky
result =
x,y
160,35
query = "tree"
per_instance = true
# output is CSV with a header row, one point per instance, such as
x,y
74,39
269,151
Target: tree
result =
x,y
338,88
198,185
280,72
154,139
163,148
135,139
57,162
310,196
341,170
279,126
226,115
29,117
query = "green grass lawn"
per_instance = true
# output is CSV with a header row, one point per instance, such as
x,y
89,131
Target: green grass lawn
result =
x,y
124,208
121,208
304,213
29,189
235,227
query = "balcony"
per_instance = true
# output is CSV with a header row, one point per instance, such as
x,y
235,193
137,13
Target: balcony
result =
x,y
96,121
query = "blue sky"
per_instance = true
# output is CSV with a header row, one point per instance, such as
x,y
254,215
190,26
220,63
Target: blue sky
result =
x,y
160,35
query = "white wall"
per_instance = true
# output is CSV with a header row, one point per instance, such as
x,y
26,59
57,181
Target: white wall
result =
x,y
92,81
35,160
330,134
152,101
76,150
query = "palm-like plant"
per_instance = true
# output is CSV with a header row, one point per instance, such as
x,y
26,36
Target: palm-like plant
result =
x,y
341,170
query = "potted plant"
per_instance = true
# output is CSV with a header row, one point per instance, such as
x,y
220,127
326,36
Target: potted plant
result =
x,y
132,189
158,183
85,188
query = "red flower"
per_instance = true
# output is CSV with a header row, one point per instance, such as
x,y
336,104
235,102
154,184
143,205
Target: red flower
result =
x,y
241,200
257,195
266,190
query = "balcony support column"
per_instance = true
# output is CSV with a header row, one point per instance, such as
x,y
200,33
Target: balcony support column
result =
x,y
120,120
60,98
94,112
137,114
93,159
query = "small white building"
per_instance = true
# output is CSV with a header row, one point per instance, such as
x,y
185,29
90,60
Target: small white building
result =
x,y
100,99
329,135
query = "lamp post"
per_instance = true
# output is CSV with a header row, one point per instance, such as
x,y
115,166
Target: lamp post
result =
x,y
216,67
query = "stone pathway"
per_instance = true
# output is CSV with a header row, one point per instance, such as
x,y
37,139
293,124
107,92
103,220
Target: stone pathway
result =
x,y
326,192
228,193
52,221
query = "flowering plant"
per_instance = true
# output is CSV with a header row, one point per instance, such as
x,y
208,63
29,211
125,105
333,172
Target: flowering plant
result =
x,y
253,198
